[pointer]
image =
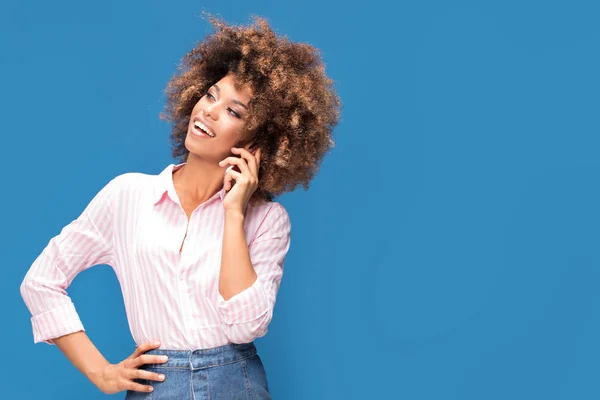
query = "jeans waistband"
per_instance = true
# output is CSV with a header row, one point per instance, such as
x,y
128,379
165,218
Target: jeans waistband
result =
x,y
204,358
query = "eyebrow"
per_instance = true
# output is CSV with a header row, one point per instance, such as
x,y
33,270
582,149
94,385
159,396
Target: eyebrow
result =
x,y
235,101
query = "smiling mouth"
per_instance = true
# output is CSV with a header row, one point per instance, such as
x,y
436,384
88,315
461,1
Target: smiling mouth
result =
x,y
203,128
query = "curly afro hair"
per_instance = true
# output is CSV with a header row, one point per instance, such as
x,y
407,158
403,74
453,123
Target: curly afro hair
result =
x,y
294,106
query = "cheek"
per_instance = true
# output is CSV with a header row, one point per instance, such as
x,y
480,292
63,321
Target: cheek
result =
x,y
230,128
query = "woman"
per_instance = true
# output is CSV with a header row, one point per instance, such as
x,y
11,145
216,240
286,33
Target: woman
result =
x,y
199,248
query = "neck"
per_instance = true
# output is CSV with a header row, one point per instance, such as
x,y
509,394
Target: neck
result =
x,y
198,180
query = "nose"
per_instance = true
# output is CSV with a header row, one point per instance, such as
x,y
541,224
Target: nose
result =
x,y
209,111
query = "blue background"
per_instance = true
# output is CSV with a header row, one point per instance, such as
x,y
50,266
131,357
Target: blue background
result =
x,y
448,248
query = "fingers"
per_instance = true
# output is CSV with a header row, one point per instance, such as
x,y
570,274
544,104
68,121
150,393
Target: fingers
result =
x,y
234,175
131,371
247,162
240,163
144,347
124,379
136,387
151,376
148,359
227,180
257,155
247,155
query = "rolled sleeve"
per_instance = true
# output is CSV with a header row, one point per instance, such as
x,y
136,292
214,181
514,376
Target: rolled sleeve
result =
x,y
57,322
85,242
247,315
246,306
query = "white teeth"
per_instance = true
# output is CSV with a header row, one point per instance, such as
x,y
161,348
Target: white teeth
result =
x,y
200,125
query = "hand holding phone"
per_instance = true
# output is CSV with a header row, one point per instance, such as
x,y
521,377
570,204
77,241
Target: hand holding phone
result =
x,y
241,177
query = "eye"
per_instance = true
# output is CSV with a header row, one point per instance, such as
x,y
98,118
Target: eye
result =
x,y
232,112
210,96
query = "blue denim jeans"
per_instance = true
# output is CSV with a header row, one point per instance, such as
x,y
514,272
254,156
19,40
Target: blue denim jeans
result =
x,y
229,372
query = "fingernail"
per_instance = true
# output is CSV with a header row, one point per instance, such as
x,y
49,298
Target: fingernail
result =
x,y
157,343
161,377
164,358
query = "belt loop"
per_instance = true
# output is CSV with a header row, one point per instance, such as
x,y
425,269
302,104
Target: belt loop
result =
x,y
190,360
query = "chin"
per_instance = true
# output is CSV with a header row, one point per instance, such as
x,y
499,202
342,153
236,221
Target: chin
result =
x,y
191,146
199,151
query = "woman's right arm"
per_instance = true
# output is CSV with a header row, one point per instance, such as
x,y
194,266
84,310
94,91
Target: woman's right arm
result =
x,y
85,242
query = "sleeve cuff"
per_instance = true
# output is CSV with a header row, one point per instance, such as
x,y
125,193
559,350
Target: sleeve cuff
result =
x,y
57,322
246,306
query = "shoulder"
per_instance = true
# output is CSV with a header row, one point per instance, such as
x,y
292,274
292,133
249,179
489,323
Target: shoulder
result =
x,y
278,211
134,179
131,181
269,215
268,209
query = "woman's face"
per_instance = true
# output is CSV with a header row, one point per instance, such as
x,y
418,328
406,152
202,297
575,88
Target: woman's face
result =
x,y
217,121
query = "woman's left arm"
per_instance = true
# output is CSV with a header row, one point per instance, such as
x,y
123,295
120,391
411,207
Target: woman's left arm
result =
x,y
250,275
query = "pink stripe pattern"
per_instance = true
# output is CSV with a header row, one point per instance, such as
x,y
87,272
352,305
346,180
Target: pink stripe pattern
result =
x,y
136,224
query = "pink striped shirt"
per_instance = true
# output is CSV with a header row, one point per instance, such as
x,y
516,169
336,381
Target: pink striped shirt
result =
x,y
136,225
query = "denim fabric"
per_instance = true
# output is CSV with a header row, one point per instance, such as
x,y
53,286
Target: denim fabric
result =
x,y
229,372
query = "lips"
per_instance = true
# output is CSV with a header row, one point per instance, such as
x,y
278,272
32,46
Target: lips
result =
x,y
202,127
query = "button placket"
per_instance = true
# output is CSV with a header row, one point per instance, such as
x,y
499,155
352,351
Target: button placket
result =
x,y
186,253
182,288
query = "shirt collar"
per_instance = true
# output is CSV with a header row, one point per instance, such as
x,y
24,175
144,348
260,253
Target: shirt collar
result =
x,y
165,186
